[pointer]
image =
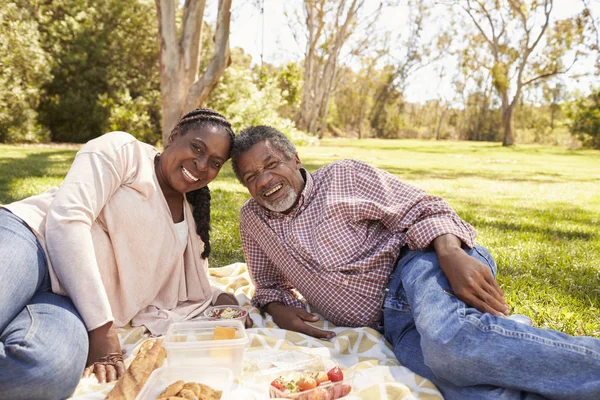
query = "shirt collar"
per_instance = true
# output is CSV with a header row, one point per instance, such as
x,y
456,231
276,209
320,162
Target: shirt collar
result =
x,y
303,200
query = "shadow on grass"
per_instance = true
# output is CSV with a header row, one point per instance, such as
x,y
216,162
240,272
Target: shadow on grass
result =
x,y
46,164
552,270
515,175
553,250
432,173
582,222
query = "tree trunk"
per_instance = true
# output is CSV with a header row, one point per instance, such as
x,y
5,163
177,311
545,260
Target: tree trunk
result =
x,y
320,67
508,139
181,90
439,127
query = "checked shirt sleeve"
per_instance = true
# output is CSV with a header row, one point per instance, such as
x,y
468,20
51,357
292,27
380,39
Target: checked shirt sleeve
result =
x,y
406,209
270,284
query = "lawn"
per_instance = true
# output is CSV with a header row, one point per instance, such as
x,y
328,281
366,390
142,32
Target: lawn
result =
x,y
536,208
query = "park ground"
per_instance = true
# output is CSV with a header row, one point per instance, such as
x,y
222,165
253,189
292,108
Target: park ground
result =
x,y
536,208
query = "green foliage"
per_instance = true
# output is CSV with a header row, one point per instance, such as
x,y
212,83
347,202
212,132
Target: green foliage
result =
x,y
289,79
585,119
536,208
239,97
23,70
137,116
104,62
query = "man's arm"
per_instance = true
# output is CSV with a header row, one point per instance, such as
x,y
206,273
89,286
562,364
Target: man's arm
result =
x,y
273,292
429,220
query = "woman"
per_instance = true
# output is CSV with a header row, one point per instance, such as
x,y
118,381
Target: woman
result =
x,y
125,238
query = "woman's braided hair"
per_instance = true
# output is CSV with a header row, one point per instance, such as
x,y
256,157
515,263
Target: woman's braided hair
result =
x,y
200,199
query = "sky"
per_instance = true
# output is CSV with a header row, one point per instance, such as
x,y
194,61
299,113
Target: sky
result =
x,y
273,39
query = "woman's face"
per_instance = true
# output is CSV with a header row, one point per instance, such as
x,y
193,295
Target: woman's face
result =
x,y
192,160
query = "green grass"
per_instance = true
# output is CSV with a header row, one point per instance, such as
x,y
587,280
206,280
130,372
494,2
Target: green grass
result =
x,y
536,208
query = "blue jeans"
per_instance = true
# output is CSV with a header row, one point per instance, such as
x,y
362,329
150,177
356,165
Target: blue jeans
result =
x,y
43,341
474,355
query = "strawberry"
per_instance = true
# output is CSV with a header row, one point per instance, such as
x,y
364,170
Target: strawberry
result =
x,y
307,383
335,374
321,377
278,385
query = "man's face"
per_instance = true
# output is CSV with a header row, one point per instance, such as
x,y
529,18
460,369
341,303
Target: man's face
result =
x,y
274,182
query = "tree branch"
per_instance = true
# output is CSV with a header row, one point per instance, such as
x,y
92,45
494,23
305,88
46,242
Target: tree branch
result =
x,y
167,31
189,44
549,74
468,11
200,90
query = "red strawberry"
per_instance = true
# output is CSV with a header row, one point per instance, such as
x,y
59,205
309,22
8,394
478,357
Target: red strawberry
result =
x,y
335,374
278,384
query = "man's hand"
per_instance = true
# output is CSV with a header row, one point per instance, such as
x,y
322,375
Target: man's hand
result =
x,y
293,319
105,359
471,280
226,299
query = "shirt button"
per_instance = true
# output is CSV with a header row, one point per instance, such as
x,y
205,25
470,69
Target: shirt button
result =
x,y
345,281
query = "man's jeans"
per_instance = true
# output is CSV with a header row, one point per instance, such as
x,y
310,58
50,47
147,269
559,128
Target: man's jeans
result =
x,y
43,341
474,355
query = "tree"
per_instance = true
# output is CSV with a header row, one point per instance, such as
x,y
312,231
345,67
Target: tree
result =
x,y
415,52
585,119
104,66
329,24
593,31
554,96
23,71
523,47
181,88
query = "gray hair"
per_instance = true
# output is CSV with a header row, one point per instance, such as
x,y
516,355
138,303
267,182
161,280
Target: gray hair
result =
x,y
255,134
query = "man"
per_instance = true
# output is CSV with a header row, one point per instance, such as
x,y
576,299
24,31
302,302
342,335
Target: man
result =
x,y
350,237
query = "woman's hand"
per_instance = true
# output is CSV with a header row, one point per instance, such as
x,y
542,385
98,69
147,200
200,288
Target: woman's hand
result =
x,y
226,299
105,359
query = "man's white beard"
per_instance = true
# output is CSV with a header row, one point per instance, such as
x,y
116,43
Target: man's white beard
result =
x,y
282,204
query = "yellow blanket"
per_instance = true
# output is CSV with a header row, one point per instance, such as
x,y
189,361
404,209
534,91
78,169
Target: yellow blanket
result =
x,y
378,375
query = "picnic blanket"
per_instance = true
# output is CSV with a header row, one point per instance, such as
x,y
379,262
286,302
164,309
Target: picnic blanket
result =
x,y
378,375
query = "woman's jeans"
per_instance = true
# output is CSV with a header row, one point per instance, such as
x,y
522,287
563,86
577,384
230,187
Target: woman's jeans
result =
x,y
474,355
43,341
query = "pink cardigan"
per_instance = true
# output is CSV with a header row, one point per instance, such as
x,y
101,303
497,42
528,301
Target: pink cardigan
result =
x,y
111,241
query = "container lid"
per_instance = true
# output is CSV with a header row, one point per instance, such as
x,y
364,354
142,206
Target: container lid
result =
x,y
199,334
216,378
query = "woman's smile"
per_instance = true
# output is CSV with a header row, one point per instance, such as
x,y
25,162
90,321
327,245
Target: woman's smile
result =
x,y
188,175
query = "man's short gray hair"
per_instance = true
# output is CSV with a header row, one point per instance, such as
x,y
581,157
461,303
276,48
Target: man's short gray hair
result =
x,y
255,134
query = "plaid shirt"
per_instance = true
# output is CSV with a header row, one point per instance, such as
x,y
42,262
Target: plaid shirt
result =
x,y
337,247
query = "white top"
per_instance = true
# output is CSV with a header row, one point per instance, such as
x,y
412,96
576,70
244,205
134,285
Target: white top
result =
x,y
182,233
111,242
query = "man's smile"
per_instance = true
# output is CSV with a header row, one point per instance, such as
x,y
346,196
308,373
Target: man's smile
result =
x,y
276,188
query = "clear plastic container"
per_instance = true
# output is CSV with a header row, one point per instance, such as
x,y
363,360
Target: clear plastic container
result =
x,y
216,313
217,378
191,343
325,391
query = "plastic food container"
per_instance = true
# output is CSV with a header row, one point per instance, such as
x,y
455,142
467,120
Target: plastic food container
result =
x,y
161,378
325,391
226,312
191,343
